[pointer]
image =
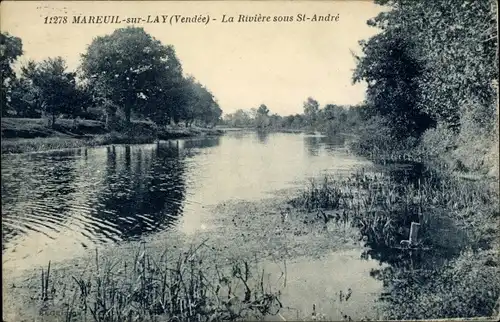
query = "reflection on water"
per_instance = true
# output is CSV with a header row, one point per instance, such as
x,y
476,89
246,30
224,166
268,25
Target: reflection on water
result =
x,y
321,281
441,238
109,194
262,136
145,197
61,202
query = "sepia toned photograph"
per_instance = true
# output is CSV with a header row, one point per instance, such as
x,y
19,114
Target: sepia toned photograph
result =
x,y
250,160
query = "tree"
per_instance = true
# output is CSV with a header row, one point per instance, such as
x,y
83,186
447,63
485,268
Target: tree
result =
x,y
458,43
311,108
448,60
240,118
201,104
130,67
25,98
262,117
11,48
215,114
276,121
392,70
54,88
84,99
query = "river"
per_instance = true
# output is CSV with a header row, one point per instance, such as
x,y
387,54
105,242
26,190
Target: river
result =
x,y
58,205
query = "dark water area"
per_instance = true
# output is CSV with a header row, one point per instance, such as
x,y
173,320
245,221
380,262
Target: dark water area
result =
x,y
134,191
411,273
59,203
432,252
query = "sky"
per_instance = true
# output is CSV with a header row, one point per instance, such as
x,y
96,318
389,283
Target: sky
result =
x,y
242,64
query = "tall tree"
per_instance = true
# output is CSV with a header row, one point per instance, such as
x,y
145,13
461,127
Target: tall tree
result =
x,y
392,70
25,98
54,87
448,59
130,67
262,117
11,48
311,109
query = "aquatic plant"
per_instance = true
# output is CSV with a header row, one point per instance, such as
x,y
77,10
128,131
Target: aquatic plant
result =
x,y
319,196
456,217
159,288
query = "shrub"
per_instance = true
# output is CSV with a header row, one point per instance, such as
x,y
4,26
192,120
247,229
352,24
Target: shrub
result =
x,y
438,141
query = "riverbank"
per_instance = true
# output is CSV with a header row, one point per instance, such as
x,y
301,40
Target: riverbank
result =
x,y
323,240
286,265
451,269
33,135
266,130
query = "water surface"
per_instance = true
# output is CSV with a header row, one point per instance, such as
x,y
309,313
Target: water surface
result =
x,y
57,204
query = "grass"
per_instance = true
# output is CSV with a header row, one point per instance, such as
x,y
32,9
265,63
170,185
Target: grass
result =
x,y
32,135
152,287
453,271
319,196
13,146
33,128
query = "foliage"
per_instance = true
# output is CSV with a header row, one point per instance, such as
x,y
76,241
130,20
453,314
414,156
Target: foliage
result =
x,y
240,118
332,119
53,88
262,117
202,105
10,50
434,63
465,287
125,67
122,75
24,99
311,109
391,70
376,140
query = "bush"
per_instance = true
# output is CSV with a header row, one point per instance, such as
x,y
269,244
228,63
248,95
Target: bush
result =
x,y
378,141
475,140
466,287
438,141
473,148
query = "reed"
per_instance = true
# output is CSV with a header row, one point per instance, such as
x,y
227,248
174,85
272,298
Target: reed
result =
x,y
453,258
319,196
158,287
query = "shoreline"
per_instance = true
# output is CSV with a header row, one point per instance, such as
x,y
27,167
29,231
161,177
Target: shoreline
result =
x,y
304,242
19,145
284,243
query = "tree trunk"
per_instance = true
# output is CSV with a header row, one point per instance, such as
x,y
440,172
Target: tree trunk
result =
x,y
53,120
127,114
107,121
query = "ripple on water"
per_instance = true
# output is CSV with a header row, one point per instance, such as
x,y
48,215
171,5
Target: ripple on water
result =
x,y
57,201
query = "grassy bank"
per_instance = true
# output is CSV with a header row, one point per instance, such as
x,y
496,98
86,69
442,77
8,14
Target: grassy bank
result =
x,y
163,269
267,130
452,270
177,285
31,135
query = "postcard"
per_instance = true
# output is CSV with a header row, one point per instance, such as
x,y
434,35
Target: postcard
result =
x,y
250,160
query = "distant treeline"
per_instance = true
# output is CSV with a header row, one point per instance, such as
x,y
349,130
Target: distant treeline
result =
x,y
329,119
122,75
432,75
